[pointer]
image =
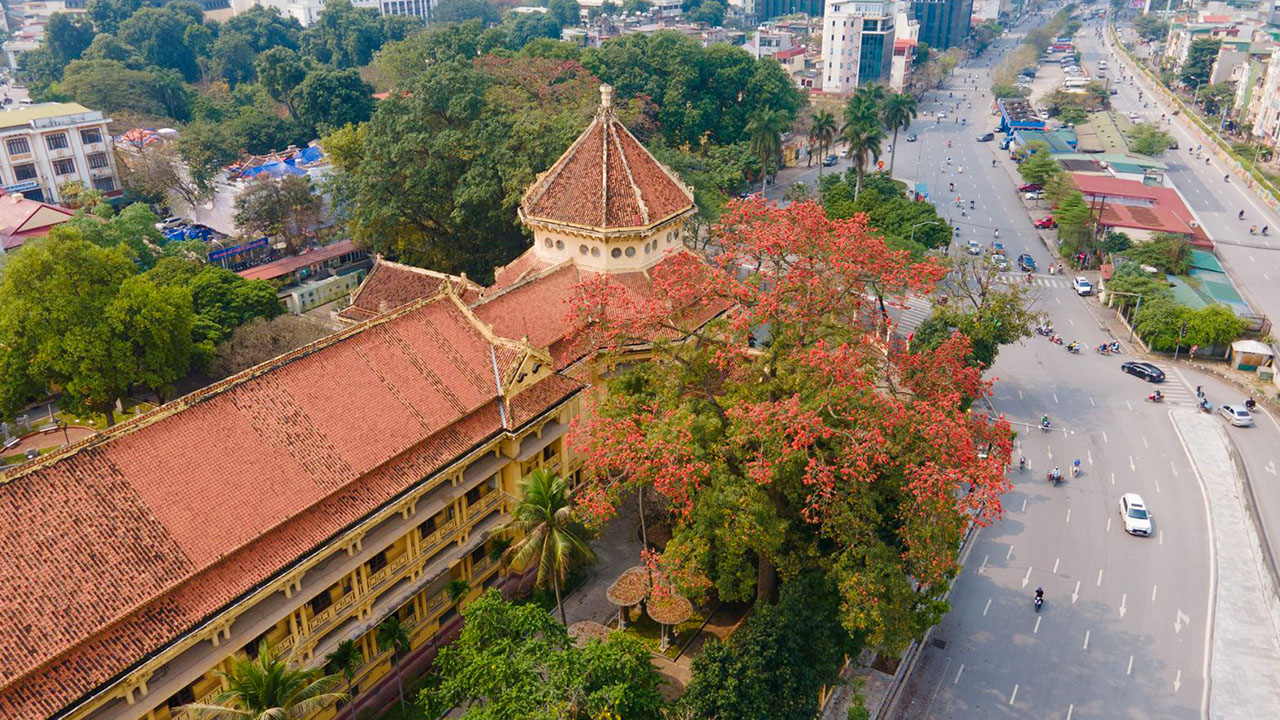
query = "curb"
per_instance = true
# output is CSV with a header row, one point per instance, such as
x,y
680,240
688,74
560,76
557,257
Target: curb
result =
x,y
1251,507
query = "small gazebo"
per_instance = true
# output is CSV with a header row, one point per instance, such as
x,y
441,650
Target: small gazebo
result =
x,y
669,609
630,589
584,631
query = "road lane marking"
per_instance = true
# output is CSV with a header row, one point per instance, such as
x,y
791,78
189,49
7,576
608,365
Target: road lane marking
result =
x,y
1108,524
1026,578
1068,514
1019,394
1055,565
1129,670
1013,696
1160,537
1070,708
1180,620
1091,402
1153,593
1124,598
1157,485
1099,577
1086,640
1177,681
1055,398
1024,504
1072,322
1144,442
1036,629
1113,478
1126,404
957,680
1271,467
988,607
984,564
1075,594
1174,467
1049,449
1009,554
1104,436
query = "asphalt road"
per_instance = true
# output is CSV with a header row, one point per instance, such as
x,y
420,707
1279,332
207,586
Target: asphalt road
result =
x,y
1125,628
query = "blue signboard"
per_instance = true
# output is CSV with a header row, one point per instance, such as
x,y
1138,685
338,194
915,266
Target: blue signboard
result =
x,y
22,186
236,250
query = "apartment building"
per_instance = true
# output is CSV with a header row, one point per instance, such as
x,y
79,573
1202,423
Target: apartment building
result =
x,y
857,44
304,501
50,144
306,11
943,23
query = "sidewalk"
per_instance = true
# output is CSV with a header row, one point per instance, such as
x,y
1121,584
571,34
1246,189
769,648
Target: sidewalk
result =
x,y
1246,645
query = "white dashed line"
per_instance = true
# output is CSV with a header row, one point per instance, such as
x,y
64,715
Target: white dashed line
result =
x,y
1086,640
1099,577
988,607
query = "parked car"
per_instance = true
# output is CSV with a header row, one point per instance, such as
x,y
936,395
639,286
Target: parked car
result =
x,y
1133,117
1173,145
1082,286
829,160
974,248
1137,519
1113,91
1034,195
1026,263
1045,223
1236,415
1144,370
911,137
988,137
1028,187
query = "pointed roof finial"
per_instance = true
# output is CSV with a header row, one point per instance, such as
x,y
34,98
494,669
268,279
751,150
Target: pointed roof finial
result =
x,y
606,99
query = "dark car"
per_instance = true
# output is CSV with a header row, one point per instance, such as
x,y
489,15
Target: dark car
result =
x,y
1030,187
1026,263
1173,145
911,137
1144,370
1113,91
987,137
829,160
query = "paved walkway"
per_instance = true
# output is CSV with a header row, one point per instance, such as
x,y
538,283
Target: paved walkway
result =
x,y
617,549
1246,644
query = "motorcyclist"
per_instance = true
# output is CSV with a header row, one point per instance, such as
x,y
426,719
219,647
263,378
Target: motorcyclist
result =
x,y
1075,468
997,231
1022,463
1044,420
1265,228
1056,474
1158,396
970,204
1040,594
1240,215
1073,346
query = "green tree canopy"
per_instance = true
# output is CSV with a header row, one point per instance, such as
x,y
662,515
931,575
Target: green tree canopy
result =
x,y
905,224
1148,140
327,99
711,12
1165,252
458,11
158,34
1200,58
516,661
566,12
265,28
1040,167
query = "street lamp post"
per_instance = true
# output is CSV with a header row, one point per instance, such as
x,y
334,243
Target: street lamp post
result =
x,y
926,222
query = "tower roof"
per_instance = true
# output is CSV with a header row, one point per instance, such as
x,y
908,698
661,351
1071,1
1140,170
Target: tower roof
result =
x,y
606,180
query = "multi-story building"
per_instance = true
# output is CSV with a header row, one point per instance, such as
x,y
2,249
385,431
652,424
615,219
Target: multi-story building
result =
x,y
943,23
857,44
48,145
303,502
1264,110
306,11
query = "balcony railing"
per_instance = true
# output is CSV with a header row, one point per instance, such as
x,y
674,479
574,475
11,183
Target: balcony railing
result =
x,y
324,616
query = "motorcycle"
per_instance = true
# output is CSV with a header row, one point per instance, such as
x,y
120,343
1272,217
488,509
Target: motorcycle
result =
x,y
1056,340
1044,426
1074,349
1102,350
1044,330
1113,347
1053,477
1022,464
1039,601
1153,397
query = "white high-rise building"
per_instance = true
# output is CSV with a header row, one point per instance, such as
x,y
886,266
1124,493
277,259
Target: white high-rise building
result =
x,y
306,11
857,44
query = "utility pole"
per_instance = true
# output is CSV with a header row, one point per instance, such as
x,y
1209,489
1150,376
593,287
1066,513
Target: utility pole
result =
x,y
1181,333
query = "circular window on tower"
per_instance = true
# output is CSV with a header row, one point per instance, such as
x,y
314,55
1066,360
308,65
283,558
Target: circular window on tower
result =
x,y
646,248
631,252
616,252
595,252
582,249
546,241
559,244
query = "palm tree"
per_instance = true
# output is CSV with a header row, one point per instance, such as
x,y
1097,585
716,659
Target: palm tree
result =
x,y
394,636
897,113
544,517
269,687
863,139
822,132
345,659
765,127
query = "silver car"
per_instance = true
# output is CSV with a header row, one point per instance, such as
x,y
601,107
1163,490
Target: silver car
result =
x,y
1236,415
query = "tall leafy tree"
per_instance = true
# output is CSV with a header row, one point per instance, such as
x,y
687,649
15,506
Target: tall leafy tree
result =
x,y
566,12
898,112
864,139
67,36
1199,63
265,27
822,132
327,99
822,448
281,70
287,208
516,661
460,11
74,317
344,660
394,636
343,35
269,687
765,128
159,35
550,535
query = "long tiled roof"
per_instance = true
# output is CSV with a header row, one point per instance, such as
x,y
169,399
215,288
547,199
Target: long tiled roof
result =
x,y
119,544
390,285
606,180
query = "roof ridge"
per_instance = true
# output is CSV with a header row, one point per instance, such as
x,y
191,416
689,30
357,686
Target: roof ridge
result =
x,y
525,278
544,179
631,178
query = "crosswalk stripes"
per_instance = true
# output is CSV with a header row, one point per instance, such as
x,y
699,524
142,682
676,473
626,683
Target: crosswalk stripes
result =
x,y
1011,278
907,319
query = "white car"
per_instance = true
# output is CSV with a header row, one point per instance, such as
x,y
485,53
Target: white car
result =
x,y
1082,286
1133,117
1034,195
942,113
1137,520
974,248
1236,415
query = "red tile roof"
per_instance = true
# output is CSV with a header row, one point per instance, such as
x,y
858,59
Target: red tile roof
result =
x,y
1165,213
606,180
22,219
125,541
283,267
390,285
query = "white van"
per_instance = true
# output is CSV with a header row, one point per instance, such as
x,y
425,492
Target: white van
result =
x,y
1075,82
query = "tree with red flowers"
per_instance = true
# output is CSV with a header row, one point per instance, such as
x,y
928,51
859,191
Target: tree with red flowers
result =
x,y
792,432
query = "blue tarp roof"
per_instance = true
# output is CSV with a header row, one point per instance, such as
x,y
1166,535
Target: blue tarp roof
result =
x,y
275,168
